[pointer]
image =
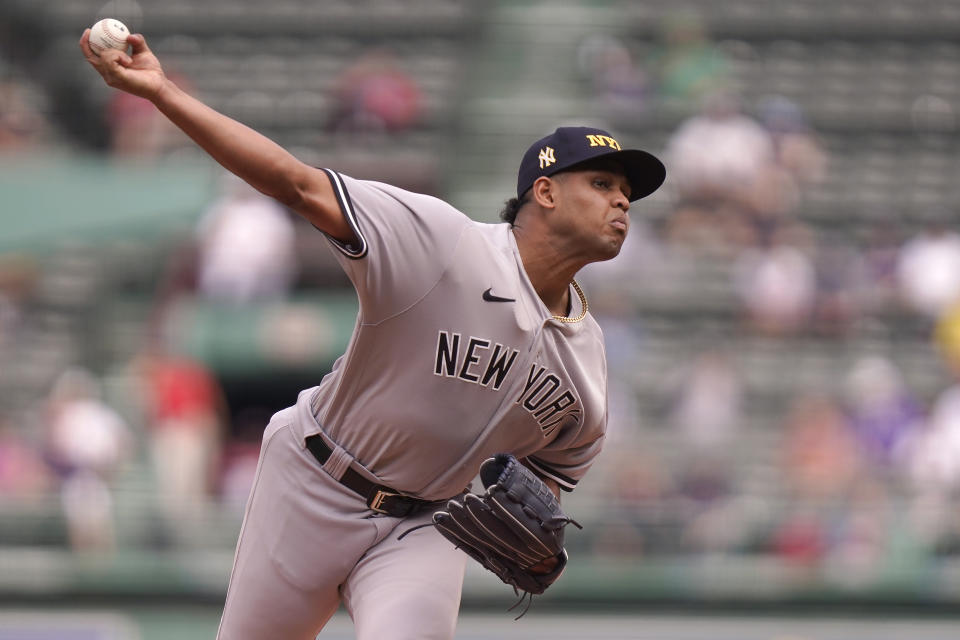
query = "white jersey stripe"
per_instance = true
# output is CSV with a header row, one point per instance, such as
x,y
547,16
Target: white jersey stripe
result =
x,y
346,206
566,483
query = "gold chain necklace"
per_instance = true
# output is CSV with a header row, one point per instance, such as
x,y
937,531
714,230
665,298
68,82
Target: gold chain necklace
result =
x,y
583,303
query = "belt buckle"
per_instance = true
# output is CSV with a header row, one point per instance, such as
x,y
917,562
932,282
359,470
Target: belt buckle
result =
x,y
376,502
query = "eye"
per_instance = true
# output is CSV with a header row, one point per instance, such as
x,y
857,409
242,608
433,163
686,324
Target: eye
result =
x,y
601,183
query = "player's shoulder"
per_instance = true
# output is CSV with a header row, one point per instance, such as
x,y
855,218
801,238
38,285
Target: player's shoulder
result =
x,y
359,188
496,233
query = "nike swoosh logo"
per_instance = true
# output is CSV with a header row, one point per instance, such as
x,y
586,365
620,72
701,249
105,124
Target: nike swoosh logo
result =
x,y
489,297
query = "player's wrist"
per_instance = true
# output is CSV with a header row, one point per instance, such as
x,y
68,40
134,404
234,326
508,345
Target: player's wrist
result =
x,y
164,93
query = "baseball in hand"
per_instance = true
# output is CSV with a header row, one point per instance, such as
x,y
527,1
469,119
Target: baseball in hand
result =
x,y
108,34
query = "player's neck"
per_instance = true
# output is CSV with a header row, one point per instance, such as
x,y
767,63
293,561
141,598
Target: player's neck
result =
x,y
549,271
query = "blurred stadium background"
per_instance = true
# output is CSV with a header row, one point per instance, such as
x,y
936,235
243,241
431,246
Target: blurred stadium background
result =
x,y
783,326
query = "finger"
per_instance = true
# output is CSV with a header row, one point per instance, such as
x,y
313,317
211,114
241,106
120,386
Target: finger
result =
x,y
138,43
85,46
113,57
110,67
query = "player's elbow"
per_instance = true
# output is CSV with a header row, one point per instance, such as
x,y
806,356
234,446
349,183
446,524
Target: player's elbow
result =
x,y
294,188
289,186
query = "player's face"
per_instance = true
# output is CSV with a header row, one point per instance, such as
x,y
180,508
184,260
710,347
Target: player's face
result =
x,y
592,209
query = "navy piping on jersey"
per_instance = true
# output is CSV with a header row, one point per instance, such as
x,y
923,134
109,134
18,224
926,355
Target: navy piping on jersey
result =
x,y
346,206
566,483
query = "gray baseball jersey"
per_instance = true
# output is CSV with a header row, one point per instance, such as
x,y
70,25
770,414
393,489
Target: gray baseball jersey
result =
x,y
454,356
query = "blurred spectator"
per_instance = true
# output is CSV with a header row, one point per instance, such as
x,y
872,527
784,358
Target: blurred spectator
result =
x,y
796,147
947,338
935,456
878,543
718,154
614,79
22,469
839,276
821,457
712,228
87,444
881,252
821,464
929,270
245,246
882,412
706,406
801,538
375,94
185,421
705,412
851,543
776,284
720,164
637,488
934,472
798,160
18,280
686,65
23,123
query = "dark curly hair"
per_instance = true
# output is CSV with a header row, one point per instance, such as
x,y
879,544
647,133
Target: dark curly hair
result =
x,y
512,206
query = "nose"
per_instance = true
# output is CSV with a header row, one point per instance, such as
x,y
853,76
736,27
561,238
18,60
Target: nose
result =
x,y
621,202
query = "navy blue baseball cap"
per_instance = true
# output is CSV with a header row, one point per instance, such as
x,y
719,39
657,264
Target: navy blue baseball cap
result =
x,y
568,147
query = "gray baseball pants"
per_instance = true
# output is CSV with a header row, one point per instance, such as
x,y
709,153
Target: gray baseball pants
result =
x,y
308,543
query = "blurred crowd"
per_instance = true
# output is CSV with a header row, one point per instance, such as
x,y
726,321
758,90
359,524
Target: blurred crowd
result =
x,y
373,96
166,412
79,442
853,477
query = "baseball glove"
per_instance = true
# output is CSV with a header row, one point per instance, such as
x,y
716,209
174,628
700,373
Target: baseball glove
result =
x,y
513,529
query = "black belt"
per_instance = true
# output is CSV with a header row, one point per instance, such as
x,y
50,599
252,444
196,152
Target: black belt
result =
x,y
379,498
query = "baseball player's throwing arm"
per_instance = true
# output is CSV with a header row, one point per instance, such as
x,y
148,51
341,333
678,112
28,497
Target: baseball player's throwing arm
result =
x,y
253,157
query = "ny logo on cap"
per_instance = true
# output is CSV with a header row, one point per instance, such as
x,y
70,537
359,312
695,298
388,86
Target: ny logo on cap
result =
x,y
546,157
603,141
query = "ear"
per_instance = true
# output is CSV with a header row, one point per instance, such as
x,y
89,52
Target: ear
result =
x,y
544,192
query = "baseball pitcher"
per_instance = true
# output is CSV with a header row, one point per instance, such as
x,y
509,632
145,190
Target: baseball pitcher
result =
x,y
473,351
